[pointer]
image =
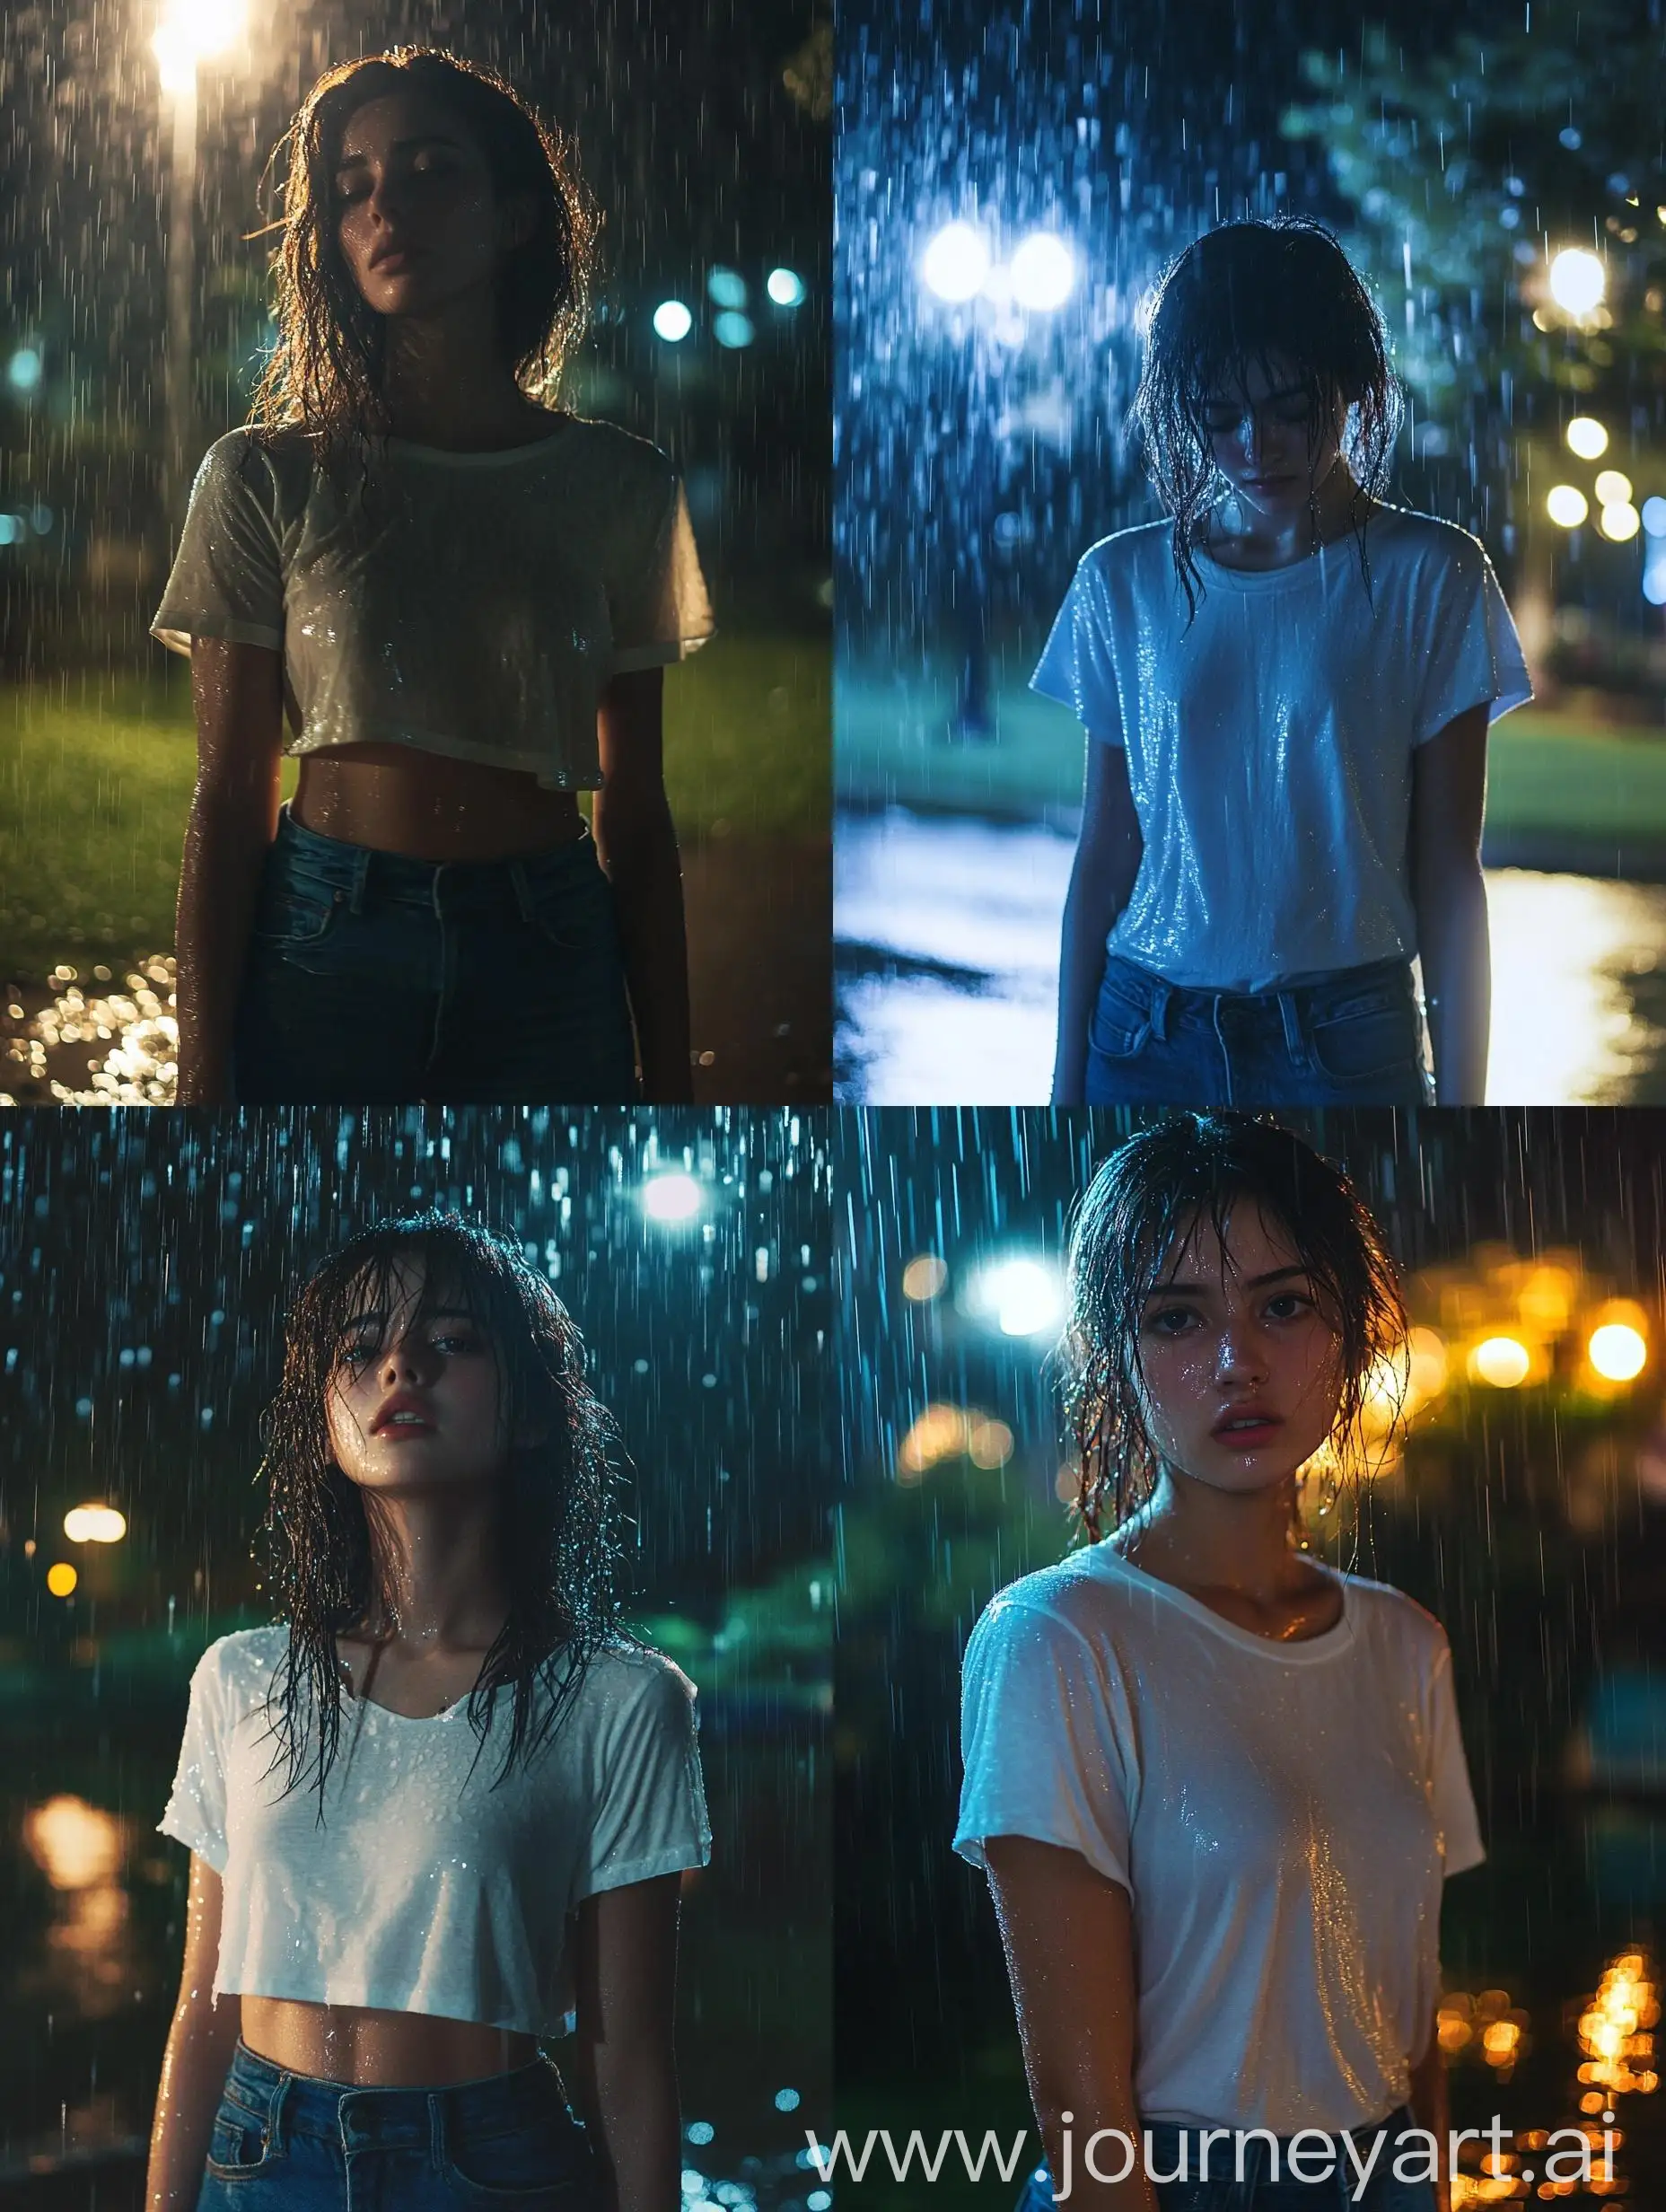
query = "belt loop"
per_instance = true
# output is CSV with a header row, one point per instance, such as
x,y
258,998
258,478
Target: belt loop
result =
x,y
521,888
436,2130
361,879
274,2113
1295,1039
1161,995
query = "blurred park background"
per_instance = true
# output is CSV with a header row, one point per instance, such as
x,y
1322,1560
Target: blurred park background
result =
x,y
1526,1510
134,308
1008,191
148,1262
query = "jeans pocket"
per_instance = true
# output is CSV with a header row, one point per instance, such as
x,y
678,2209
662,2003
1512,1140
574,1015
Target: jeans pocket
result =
x,y
544,2165
239,2147
575,914
1121,1023
295,914
1369,1035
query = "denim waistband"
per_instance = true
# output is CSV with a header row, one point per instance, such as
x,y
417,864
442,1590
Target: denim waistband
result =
x,y
1400,2118
1334,980
338,2112
358,872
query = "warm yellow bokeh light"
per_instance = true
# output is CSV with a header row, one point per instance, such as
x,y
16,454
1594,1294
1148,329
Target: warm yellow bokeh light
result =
x,y
1565,504
1501,1361
990,1444
94,1524
923,1277
1619,521
941,1433
1586,437
1618,1351
61,1578
1612,484
1578,281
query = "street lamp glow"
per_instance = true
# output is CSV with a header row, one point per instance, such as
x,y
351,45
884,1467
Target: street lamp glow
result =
x,y
94,1524
1654,516
1619,521
1043,272
785,287
1578,281
672,322
22,372
1612,484
61,1578
1618,1352
1565,504
188,31
955,264
670,1200
1500,1361
1586,437
1022,1297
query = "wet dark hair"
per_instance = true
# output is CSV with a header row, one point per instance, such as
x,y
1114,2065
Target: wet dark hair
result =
x,y
557,1548
1170,1177
1255,292
328,368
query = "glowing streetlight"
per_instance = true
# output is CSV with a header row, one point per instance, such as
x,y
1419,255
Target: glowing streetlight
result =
x,y
1618,1351
1586,437
94,1524
61,1578
785,287
1619,521
1022,1297
1565,504
1043,272
955,264
672,322
1578,281
1612,485
1500,1361
672,1199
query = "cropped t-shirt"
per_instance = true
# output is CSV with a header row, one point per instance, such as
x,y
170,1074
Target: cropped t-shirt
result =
x,y
1269,746
470,604
1282,1814
426,1890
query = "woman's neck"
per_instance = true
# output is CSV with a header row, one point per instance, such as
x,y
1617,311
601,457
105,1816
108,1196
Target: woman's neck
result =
x,y
1240,536
1197,1536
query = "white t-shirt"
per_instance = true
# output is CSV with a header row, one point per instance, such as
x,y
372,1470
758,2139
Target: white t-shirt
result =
x,y
1269,747
476,606
426,1890
1282,1815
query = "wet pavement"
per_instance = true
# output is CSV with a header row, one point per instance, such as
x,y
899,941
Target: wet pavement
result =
x,y
947,967
759,989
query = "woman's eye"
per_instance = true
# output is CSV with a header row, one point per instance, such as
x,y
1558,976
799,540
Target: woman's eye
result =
x,y
1169,1319
1288,1304
356,1355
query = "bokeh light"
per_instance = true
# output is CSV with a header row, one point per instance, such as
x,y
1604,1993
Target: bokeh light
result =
x,y
672,322
1586,437
94,1524
1654,516
1565,504
670,1199
1578,281
61,1578
1043,272
955,263
785,287
732,330
1619,521
1619,1351
1019,1297
1501,1361
725,288
923,1277
1612,485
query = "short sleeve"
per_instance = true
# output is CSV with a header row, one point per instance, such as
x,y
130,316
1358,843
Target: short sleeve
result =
x,y
1039,1743
1077,665
657,604
196,1814
1474,652
227,577
1449,1793
651,1812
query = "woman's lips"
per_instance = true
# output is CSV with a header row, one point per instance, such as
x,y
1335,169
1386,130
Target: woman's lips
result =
x,y
1255,1430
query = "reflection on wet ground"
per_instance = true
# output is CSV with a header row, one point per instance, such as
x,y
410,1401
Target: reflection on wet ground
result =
x,y
947,966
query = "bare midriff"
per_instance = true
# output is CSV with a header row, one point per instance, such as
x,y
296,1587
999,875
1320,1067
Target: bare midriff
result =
x,y
394,799
378,2050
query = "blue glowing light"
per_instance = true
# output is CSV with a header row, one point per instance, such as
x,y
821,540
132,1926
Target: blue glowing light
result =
x,y
672,322
726,287
732,329
787,2100
785,287
1654,516
955,264
1043,272
11,529
23,369
670,1200
1654,582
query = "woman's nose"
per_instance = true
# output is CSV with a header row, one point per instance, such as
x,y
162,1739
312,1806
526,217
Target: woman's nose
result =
x,y
1240,1356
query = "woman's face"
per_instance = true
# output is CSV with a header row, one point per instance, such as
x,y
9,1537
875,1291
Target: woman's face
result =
x,y
1261,434
415,1404
1240,1368
417,217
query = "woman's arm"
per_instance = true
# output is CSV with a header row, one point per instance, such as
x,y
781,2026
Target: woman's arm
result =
x,y
623,2056
1101,880
637,843
1068,1934
238,694
1448,794
194,2059
1430,2108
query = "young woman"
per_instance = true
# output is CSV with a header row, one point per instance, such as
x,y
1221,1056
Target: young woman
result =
x,y
379,1927
462,598
1215,1784
1286,689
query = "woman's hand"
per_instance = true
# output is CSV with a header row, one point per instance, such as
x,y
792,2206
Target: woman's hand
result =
x,y
238,694
637,844
623,2058
1448,797
1068,1934
198,2051
1109,850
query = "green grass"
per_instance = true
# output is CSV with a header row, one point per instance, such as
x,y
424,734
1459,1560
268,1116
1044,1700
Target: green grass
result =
x,y
1549,773
96,780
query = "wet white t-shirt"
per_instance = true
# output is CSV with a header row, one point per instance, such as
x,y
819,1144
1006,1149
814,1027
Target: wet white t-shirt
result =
x,y
1282,1814
469,604
426,1890
1269,747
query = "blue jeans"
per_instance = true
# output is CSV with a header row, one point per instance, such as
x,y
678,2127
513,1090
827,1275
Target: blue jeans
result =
x,y
1220,2192
373,979
1353,1039
291,2143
